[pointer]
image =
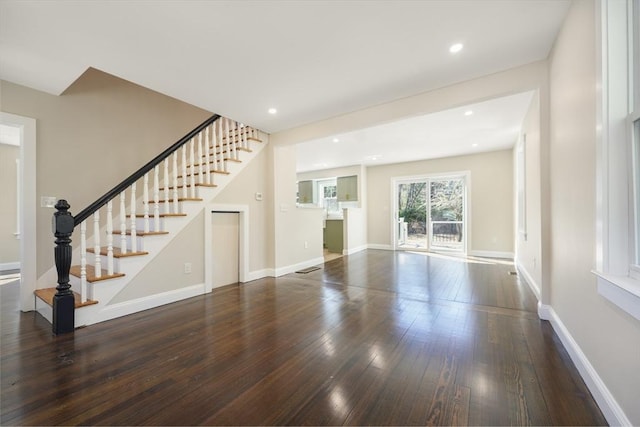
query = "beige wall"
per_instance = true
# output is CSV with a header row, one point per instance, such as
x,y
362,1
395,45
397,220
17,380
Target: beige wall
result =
x,y
608,337
528,249
241,191
103,129
9,245
297,231
491,197
166,271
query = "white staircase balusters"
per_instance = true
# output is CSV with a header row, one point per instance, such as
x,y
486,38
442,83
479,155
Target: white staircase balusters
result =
x,y
110,238
132,210
83,261
174,174
166,184
207,166
245,141
185,178
200,160
220,147
145,202
192,181
156,198
123,223
96,244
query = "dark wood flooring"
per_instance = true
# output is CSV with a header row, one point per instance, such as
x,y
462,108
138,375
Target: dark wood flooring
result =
x,y
375,338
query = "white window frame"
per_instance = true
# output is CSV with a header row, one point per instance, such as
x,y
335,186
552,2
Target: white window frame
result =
x,y
617,239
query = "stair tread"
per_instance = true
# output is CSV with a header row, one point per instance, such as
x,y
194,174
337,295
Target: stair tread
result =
x,y
246,150
198,173
181,199
47,294
198,184
233,160
141,233
91,273
162,215
117,252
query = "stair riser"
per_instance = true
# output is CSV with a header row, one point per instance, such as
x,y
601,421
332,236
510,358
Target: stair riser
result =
x,y
169,208
140,224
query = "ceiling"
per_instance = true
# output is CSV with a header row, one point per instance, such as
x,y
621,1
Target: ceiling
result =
x,y
311,60
485,126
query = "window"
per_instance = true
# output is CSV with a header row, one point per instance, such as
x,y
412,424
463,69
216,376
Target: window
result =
x,y
327,189
618,212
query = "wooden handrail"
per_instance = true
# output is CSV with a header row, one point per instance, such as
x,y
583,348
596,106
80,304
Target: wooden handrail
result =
x,y
93,207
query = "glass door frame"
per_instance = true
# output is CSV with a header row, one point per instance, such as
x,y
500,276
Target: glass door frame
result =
x,y
428,178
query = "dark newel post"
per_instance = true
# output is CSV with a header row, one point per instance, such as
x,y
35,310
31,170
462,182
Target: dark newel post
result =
x,y
63,303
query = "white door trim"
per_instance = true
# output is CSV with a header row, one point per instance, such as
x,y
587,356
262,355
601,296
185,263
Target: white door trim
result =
x,y
27,230
243,244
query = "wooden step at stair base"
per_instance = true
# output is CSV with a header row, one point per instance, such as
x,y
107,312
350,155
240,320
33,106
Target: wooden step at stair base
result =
x,y
140,233
91,274
117,252
47,294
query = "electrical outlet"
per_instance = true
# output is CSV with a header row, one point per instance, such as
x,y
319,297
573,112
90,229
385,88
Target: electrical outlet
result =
x,y
187,268
306,245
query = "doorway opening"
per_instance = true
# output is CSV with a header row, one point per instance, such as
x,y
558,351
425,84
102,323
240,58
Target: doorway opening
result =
x,y
26,205
431,213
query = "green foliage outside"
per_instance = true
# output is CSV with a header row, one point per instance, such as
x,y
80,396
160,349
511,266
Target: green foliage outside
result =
x,y
446,202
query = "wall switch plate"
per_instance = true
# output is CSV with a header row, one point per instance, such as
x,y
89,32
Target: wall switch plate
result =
x,y
48,201
259,197
187,268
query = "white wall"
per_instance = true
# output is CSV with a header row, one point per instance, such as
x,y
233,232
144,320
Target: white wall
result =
x,y
606,339
528,250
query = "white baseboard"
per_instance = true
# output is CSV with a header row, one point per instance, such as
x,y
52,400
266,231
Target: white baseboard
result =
x,y
535,288
152,301
379,246
259,274
354,250
492,254
6,266
281,271
603,397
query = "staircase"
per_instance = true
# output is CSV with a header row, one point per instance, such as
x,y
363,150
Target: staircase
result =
x,y
125,229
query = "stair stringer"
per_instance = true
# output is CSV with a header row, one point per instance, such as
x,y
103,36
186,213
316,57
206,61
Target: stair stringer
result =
x,y
105,291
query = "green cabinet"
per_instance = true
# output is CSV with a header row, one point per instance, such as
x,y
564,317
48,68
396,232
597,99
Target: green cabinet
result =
x,y
347,190
333,235
305,192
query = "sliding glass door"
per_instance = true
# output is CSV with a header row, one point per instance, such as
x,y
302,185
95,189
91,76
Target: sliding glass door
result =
x,y
430,213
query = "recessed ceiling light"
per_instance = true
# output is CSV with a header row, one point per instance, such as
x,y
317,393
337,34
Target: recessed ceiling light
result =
x,y
336,140
474,145
272,110
455,48
468,113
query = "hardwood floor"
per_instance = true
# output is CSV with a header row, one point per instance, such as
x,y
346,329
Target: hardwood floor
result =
x,y
373,338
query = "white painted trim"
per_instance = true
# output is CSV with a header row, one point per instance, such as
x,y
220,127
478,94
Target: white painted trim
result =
x,y
535,288
243,244
354,250
492,254
6,266
603,397
281,271
145,303
28,242
623,291
380,247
